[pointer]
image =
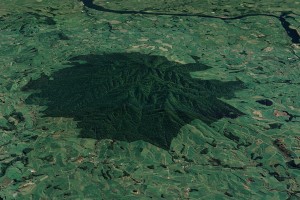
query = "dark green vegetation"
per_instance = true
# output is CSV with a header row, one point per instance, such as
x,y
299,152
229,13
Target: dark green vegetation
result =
x,y
132,96
44,149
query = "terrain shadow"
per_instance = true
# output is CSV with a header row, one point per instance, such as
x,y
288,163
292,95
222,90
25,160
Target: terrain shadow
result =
x,y
132,96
